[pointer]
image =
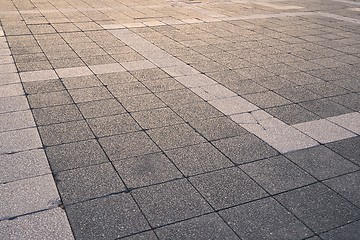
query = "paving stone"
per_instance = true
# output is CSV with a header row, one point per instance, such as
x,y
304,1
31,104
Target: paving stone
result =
x,y
325,108
170,202
19,140
49,99
149,235
11,90
88,182
277,174
195,80
107,68
348,100
45,225
75,155
146,170
16,120
298,93
128,89
347,186
212,92
89,94
197,111
209,226
162,85
233,105
141,102
175,136
57,114
155,118
266,99
349,121
23,165
149,74
38,75
324,131
302,78
27,196
217,128
116,78
318,207
43,86
8,78
128,145
101,108
111,125
347,148
321,162
81,82
65,133
350,231
13,104
8,68
73,72
292,114
326,89
264,219
178,98
138,65
106,218
244,148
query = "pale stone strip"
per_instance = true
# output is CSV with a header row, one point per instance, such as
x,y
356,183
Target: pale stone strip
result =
x,y
38,75
349,121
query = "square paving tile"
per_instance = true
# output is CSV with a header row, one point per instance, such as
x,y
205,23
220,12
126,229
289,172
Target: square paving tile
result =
x,y
88,182
65,133
116,78
19,140
49,99
155,118
13,104
73,72
325,108
47,86
349,121
297,93
128,89
178,98
146,170
57,114
233,105
266,99
264,219
75,155
11,90
128,145
319,207
347,148
162,85
227,187
101,108
89,94
106,218
245,148
16,120
141,102
292,114
350,232
149,74
170,202
197,111
321,162
149,235
348,100
175,136
107,68
111,125
209,226
81,82
277,174
38,75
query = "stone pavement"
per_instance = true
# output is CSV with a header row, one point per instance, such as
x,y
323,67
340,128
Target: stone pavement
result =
x,y
180,119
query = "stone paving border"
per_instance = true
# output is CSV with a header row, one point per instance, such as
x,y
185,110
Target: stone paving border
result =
x,y
29,197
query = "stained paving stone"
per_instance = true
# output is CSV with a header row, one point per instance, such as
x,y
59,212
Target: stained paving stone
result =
x,y
155,118
47,86
88,182
226,188
245,148
209,226
75,155
319,208
264,219
57,114
106,218
49,99
146,170
321,162
170,202
277,174
350,231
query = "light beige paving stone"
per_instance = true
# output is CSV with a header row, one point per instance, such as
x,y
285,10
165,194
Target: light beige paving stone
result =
x,y
16,120
324,131
197,80
46,225
12,104
180,70
28,195
134,25
73,72
233,105
107,68
11,90
138,65
350,121
6,59
5,52
38,75
213,92
23,165
8,78
167,61
113,26
154,23
8,68
19,140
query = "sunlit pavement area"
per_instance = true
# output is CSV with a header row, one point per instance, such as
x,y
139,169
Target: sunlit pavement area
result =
x,y
180,119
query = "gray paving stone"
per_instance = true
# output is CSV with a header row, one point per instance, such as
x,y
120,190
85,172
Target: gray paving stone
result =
x,y
325,108
149,74
89,94
38,74
209,226
150,235
292,114
23,165
244,148
162,85
107,68
264,219
106,218
170,202
11,90
16,120
128,145
226,188
347,186
111,125
326,89
175,136
73,72
302,78
347,148
9,78
43,86
321,162
19,140
178,98
57,114
155,118
277,174
101,108
27,196
49,99
141,102
128,89
298,93
197,111
88,182
319,207
75,155
266,99
146,170
350,232
116,78
81,82
233,105
348,100
45,225
65,133
13,104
